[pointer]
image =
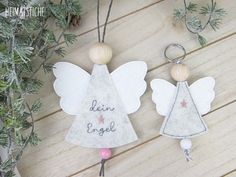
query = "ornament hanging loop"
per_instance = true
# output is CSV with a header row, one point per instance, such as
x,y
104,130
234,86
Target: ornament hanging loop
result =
x,y
177,60
106,21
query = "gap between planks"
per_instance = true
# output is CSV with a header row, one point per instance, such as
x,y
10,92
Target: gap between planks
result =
x,y
228,173
197,49
149,70
150,140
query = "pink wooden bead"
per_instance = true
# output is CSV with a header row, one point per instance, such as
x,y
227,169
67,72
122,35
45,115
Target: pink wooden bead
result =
x,y
105,153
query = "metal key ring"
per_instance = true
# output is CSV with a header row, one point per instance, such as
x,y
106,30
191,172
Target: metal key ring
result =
x,y
179,59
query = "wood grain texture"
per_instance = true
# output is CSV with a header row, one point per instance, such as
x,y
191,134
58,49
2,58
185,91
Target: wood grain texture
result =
x,y
54,154
163,157
139,36
120,9
141,30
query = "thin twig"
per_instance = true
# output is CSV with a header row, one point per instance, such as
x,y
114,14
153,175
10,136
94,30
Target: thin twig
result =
x,y
52,48
31,132
202,28
210,16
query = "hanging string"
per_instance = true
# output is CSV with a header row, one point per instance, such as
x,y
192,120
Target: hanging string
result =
x,y
106,21
102,171
187,155
104,153
98,3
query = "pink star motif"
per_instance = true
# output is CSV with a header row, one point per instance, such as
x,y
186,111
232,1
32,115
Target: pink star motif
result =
x,y
101,120
183,104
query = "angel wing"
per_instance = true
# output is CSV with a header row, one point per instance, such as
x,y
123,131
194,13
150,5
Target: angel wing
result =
x,y
71,85
203,93
130,84
162,96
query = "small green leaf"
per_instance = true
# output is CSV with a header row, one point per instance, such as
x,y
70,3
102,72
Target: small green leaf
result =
x,y
3,85
5,28
205,10
48,67
19,139
3,138
202,40
215,23
31,24
25,115
34,139
179,14
61,23
192,7
69,38
31,86
36,106
194,23
7,165
10,173
59,11
60,51
24,52
3,48
26,67
25,124
2,7
220,12
18,105
49,37
73,7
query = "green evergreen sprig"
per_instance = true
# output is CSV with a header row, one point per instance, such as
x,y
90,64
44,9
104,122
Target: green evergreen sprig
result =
x,y
26,46
191,13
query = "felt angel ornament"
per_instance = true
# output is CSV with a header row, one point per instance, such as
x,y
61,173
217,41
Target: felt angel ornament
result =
x,y
101,101
183,105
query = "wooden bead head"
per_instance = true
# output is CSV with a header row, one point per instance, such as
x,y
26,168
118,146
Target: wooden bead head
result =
x,y
179,72
100,53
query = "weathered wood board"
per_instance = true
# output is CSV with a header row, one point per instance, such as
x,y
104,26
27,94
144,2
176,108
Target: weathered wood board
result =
x,y
135,43
150,29
163,157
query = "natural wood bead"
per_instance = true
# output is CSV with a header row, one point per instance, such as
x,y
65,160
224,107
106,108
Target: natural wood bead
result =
x,y
100,53
179,72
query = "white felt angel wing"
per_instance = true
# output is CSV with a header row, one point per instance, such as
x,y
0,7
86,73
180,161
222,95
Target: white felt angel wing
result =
x,y
130,84
203,93
162,96
71,85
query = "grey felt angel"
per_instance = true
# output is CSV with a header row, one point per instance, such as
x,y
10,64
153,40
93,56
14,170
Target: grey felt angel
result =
x,y
183,105
101,101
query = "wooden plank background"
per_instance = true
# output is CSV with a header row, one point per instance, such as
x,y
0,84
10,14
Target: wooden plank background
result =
x,y
140,30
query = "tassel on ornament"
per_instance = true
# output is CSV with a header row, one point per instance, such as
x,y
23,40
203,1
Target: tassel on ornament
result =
x,y
186,145
105,154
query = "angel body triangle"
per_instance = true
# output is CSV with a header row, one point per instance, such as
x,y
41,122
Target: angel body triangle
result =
x,y
101,102
183,105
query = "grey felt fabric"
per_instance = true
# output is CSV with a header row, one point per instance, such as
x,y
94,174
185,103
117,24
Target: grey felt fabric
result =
x,y
103,121
183,120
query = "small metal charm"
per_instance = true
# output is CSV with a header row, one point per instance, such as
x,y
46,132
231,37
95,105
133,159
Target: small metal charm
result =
x,y
179,59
